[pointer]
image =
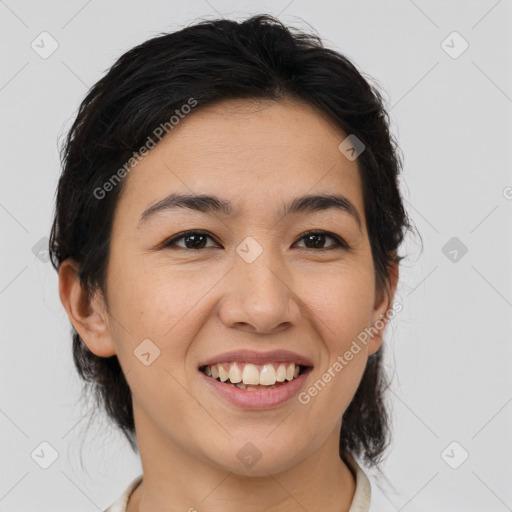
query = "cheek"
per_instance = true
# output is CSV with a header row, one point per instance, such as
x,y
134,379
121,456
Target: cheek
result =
x,y
342,303
162,303
341,308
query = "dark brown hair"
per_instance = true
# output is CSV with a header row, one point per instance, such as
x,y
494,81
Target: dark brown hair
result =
x,y
212,61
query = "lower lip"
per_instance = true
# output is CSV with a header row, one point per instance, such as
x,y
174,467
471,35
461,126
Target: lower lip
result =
x,y
263,399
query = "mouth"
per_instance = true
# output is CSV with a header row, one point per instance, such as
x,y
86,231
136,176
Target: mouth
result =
x,y
255,377
255,386
255,380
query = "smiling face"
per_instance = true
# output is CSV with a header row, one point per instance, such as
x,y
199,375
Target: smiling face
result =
x,y
253,278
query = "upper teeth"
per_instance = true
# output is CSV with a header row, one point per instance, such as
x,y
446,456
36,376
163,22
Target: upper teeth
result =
x,y
248,373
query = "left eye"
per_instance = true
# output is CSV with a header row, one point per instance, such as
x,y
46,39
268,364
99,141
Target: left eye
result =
x,y
318,238
313,240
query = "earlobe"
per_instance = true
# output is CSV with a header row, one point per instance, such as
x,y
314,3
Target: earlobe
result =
x,y
376,332
88,315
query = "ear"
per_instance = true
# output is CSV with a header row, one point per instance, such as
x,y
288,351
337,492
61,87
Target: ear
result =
x,y
383,303
89,317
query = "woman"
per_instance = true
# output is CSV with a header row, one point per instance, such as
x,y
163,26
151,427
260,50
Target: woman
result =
x,y
226,235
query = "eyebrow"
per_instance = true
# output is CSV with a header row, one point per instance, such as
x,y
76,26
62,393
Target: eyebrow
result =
x,y
210,204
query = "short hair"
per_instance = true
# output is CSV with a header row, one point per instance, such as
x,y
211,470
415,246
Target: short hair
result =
x,y
212,61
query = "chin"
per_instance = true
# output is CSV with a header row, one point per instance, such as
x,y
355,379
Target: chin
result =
x,y
259,458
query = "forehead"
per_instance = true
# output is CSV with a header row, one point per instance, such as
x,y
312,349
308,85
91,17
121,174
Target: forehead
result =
x,y
249,152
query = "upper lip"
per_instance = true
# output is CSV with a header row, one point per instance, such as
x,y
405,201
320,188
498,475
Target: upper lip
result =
x,y
254,357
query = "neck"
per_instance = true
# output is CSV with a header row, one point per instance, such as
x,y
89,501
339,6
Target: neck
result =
x,y
176,479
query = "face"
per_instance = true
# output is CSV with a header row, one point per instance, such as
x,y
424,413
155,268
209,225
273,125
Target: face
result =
x,y
249,277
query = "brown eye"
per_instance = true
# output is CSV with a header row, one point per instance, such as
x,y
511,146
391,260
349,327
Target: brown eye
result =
x,y
317,239
197,240
192,240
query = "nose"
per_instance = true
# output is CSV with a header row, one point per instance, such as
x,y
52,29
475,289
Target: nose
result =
x,y
259,297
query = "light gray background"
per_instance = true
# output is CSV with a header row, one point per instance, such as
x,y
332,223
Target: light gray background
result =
x,y
450,347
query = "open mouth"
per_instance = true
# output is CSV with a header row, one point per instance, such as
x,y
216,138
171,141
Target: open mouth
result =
x,y
253,377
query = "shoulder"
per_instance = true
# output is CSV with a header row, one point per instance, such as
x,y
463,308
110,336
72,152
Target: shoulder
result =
x,y
120,504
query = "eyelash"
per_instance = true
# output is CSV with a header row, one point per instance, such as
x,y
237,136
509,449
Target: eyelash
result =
x,y
339,242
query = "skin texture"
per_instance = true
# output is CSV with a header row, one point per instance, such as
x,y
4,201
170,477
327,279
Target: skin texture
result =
x,y
196,303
